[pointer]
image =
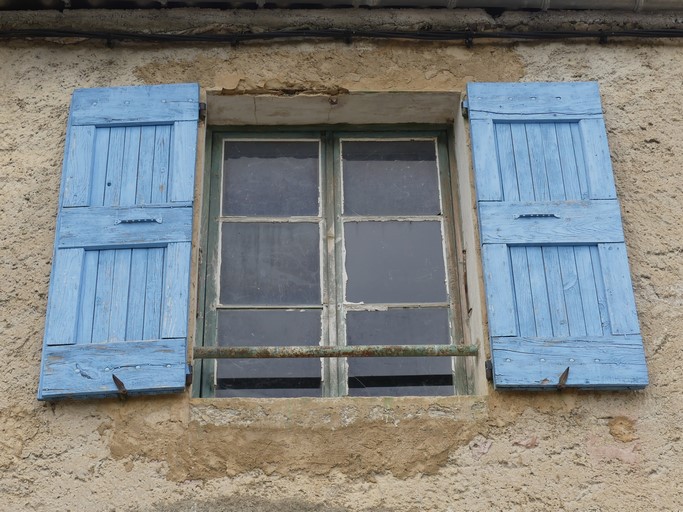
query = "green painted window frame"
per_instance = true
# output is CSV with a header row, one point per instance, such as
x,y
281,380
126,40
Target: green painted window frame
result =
x,y
334,369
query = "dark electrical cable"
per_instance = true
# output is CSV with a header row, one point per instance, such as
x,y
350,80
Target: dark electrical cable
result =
x,y
468,36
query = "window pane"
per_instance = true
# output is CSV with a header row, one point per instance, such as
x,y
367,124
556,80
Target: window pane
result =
x,y
399,376
390,178
266,263
268,377
278,178
394,262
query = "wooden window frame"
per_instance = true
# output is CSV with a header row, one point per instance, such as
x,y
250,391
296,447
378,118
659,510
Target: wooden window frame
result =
x,y
334,370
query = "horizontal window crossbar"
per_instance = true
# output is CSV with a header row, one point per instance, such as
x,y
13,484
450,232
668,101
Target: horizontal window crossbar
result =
x,y
396,381
269,383
328,351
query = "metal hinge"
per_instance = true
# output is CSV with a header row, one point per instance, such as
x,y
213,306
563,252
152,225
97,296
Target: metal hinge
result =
x,y
202,111
188,375
488,365
465,108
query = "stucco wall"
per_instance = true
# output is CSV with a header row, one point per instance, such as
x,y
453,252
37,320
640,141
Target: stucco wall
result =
x,y
499,451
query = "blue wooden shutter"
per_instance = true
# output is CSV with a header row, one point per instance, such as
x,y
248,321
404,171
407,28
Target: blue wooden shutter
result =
x,y
558,287
119,287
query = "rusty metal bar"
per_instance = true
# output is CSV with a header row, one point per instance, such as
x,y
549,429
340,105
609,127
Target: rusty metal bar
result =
x,y
347,351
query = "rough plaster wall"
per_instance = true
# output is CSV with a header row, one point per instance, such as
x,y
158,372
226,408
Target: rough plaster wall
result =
x,y
504,451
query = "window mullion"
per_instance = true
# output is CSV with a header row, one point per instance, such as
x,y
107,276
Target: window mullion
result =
x,y
338,268
328,249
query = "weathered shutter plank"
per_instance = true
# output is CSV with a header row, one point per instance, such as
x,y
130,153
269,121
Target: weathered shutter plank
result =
x,y
590,360
507,158
176,279
182,162
621,304
522,285
162,145
103,296
78,162
119,297
537,160
572,291
157,366
136,294
153,293
548,221
122,227
499,290
143,190
598,162
484,144
131,159
62,315
128,106
558,287
88,297
521,162
558,307
539,293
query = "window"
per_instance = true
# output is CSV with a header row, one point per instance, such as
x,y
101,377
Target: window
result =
x,y
350,239
331,238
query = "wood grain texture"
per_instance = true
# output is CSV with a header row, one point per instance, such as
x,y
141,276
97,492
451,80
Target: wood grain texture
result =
x,y
126,106
499,293
620,302
506,157
112,276
151,327
62,314
597,158
78,166
101,227
487,175
85,371
538,99
590,299
129,171
176,289
183,156
594,363
539,177
565,285
544,222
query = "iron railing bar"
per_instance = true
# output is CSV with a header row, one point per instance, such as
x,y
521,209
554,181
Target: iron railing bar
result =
x,y
330,351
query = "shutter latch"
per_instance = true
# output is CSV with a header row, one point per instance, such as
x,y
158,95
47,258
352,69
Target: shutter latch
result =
x,y
188,375
488,366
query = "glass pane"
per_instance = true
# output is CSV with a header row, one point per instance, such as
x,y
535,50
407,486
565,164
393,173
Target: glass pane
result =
x,y
390,178
394,262
270,178
268,377
399,376
266,263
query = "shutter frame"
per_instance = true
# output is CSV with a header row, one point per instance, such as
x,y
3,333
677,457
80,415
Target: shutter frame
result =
x,y
552,239
119,288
